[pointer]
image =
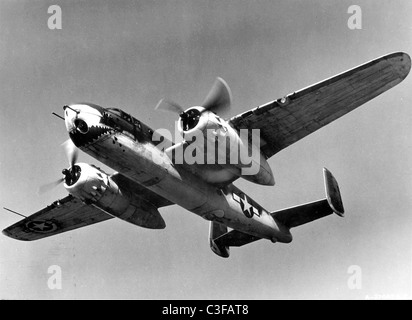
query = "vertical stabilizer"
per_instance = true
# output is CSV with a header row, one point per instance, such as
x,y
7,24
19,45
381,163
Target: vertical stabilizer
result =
x,y
216,230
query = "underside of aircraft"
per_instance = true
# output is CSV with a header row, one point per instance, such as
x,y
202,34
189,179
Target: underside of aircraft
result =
x,y
198,173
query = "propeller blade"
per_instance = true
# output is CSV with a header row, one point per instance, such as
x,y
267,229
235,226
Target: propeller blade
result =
x,y
167,105
49,186
219,97
71,152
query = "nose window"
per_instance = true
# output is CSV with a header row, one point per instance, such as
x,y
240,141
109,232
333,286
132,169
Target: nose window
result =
x,y
81,125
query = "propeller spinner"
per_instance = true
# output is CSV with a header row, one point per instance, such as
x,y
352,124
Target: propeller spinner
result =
x,y
218,100
72,174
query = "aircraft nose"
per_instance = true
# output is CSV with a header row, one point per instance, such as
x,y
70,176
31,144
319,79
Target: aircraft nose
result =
x,y
84,122
70,115
73,118
79,118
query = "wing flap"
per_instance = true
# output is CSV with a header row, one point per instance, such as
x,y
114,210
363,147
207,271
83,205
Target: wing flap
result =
x,y
148,195
284,121
61,216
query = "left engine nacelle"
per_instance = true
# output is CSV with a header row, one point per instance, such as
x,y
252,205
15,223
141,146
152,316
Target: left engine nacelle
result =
x,y
94,187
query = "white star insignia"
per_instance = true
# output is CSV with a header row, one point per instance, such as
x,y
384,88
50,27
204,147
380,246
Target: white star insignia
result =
x,y
39,225
246,204
248,209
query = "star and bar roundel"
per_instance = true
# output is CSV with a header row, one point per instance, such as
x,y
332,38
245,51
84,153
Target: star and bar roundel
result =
x,y
41,226
246,205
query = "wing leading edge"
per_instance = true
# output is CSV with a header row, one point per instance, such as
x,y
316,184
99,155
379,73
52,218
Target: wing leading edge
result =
x,y
285,121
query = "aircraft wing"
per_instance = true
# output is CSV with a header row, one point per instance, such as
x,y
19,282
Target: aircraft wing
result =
x,y
71,213
61,216
284,121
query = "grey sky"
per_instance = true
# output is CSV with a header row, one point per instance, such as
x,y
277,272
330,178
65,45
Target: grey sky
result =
x,y
130,54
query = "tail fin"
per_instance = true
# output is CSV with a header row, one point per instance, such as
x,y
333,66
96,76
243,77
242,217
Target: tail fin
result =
x,y
296,216
333,193
217,230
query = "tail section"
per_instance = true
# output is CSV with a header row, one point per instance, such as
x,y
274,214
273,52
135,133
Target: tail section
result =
x,y
296,216
220,239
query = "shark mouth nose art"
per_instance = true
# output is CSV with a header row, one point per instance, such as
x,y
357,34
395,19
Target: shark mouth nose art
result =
x,y
83,122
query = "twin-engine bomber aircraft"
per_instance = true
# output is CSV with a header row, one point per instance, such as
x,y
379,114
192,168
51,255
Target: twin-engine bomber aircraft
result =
x,y
149,177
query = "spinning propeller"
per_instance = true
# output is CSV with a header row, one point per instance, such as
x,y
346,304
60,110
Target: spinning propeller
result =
x,y
72,174
218,100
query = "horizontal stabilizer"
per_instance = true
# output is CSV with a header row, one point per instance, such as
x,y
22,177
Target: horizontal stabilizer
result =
x,y
221,240
236,238
296,216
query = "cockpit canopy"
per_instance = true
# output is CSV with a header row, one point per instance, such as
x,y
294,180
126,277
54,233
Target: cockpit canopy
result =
x,y
121,121
123,115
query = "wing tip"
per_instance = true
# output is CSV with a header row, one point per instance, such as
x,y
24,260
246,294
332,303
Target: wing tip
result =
x,y
9,234
401,62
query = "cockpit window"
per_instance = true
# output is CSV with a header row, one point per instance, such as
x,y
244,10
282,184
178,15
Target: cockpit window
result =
x,y
122,121
122,115
115,111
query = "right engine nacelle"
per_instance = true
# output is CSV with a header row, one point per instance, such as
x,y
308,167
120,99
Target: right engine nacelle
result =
x,y
238,154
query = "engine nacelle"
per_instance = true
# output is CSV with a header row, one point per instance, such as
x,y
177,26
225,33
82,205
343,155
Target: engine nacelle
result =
x,y
94,187
221,144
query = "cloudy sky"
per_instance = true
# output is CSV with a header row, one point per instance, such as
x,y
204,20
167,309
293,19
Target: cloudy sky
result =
x,y
130,54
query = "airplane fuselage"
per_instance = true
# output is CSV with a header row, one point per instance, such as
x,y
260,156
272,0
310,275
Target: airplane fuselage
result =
x,y
130,151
